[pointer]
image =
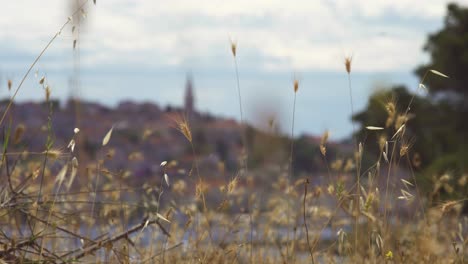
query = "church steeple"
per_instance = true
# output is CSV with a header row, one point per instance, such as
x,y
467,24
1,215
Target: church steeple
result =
x,y
189,97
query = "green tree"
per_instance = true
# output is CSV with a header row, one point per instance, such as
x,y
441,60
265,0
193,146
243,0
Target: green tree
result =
x,y
448,50
429,132
436,124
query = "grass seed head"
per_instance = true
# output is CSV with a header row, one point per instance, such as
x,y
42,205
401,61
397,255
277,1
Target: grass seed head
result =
x,y
369,200
404,150
382,141
232,185
463,180
324,138
54,153
47,93
323,142
183,126
233,48
400,121
337,165
19,132
349,166
348,61
323,150
296,85
10,83
448,206
391,112
179,187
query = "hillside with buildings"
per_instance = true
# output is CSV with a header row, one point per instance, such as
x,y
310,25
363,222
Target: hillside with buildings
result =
x,y
144,135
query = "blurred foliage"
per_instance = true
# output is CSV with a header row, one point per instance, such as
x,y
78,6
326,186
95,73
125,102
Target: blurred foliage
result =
x,y
448,50
436,126
274,149
430,129
307,157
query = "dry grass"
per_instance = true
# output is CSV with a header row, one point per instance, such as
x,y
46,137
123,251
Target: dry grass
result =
x,y
47,217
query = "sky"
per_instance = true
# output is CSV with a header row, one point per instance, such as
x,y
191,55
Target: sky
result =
x,y
143,50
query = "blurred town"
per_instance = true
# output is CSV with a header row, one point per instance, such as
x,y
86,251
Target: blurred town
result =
x,y
145,134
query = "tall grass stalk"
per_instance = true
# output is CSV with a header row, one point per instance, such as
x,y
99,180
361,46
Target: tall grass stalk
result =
x,y
309,246
105,141
348,62
241,112
12,98
10,103
45,221
244,157
96,183
291,170
182,124
48,146
408,108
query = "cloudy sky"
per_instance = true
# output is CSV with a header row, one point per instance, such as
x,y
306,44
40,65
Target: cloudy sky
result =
x,y
142,51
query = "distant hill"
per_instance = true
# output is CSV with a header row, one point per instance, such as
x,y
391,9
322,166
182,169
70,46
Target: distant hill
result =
x,y
144,135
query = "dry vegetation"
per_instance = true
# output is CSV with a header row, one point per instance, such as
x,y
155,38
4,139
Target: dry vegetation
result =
x,y
48,218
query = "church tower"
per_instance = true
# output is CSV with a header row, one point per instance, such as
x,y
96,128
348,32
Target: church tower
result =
x,y
189,97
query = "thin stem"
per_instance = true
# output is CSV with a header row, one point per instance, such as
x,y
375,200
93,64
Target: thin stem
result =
x,y
202,193
244,157
393,151
47,222
198,176
42,177
161,187
239,91
4,157
96,184
99,244
358,167
305,221
241,112
291,172
292,137
417,188
351,103
36,60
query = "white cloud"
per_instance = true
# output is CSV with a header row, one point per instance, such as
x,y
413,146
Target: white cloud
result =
x,y
276,35
142,49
